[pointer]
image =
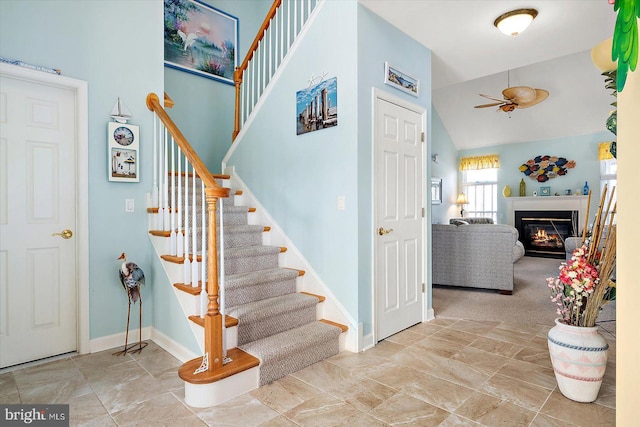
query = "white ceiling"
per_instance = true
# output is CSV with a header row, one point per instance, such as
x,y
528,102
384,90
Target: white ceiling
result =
x,y
470,56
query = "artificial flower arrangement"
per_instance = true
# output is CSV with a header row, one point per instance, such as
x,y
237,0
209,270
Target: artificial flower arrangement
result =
x,y
585,281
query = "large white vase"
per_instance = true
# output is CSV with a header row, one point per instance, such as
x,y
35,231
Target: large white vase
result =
x,y
579,358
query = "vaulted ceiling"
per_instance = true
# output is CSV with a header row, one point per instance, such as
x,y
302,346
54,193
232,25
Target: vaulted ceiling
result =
x,y
470,56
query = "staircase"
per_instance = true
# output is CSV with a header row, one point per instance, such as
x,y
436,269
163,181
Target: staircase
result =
x,y
248,313
273,326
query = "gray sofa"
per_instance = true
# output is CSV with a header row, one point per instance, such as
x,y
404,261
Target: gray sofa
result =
x,y
475,256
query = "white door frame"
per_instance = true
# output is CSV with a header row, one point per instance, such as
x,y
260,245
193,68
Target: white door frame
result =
x,y
378,94
80,90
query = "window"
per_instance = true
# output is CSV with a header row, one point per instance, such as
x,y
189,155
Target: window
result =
x,y
481,188
609,176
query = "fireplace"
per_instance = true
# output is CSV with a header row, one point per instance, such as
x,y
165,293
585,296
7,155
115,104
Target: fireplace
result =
x,y
543,232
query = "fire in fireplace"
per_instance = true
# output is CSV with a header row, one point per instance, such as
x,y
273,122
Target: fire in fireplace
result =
x,y
542,233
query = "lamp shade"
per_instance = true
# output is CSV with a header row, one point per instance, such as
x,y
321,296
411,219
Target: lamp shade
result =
x,y
515,22
462,199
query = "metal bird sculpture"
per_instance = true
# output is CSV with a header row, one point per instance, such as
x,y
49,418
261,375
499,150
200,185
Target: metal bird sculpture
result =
x,y
131,278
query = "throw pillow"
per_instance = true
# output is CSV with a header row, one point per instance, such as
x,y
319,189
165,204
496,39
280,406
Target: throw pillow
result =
x,y
459,222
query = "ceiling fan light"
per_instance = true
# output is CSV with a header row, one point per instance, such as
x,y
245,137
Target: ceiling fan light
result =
x,y
515,22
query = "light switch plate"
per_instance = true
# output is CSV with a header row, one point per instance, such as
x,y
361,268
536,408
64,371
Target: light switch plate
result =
x,y
129,205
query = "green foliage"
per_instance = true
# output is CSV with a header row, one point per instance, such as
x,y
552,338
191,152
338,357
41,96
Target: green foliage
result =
x,y
625,38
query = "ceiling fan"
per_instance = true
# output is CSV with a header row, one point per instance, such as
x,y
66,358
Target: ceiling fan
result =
x,y
516,97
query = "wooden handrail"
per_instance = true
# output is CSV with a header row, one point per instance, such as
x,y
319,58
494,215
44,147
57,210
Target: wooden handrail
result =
x,y
237,74
213,191
153,104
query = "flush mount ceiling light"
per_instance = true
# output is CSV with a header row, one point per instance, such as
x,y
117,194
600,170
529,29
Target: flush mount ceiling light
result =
x,y
514,22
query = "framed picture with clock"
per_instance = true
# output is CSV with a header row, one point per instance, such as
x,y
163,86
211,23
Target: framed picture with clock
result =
x,y
124,143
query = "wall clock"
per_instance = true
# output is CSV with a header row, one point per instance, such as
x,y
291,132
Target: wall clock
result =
x,y
123,145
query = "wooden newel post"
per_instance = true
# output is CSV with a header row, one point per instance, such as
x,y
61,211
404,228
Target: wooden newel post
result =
x,y
213,319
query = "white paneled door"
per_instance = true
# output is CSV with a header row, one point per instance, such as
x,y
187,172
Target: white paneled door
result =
x,y
38,287
399,194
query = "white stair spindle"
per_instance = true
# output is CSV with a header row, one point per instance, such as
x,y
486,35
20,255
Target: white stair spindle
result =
x,y
194,234
178,205
221,278
154,190
203,301
187,230
161,197
165,187
172,208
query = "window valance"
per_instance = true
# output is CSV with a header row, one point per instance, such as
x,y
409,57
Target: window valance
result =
x,y
603,151
490,161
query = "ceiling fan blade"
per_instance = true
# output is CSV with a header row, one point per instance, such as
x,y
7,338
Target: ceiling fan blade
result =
x,y
519,94
491,97
541,95
489,105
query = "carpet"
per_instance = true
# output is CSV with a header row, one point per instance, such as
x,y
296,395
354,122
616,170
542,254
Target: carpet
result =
x,y
529,304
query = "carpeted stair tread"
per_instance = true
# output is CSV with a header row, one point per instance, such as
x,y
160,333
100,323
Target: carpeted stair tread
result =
x,y
236,236
250,258
295,349
263,318
246,287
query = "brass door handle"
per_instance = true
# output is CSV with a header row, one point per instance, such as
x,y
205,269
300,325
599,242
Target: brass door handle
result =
x,y
66,234
382,231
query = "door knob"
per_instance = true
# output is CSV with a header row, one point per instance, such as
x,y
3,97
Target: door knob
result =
x,y
66,234
382,231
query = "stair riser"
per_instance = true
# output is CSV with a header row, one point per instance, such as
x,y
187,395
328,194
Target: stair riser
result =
x,y
264,327
239,240
272,370
245,264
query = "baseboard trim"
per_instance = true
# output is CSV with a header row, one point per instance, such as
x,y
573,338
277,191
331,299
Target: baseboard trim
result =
x,y
177,350
117,340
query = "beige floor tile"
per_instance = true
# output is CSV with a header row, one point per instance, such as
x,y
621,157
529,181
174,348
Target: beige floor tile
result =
x,y
118,396
491,411
510,336
487,363
243,410
169,380
85,409
102,421
324,410
367,420
607,396
8,385
535,356
355,361
385,349
406,337
438,345
161,410
279,421
474,327
515,391
420,359
60,370
529,372
122,372
101,361
365,394
454,336
426,328
443,321
159,362
497,347
403,409
438,392
542,420
460,373
454,420
392,375
582,414
285,394
11,399
610,373
55,392
530,329
325,376
151,349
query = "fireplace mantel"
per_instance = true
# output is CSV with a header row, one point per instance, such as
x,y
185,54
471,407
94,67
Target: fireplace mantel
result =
x,y
547,203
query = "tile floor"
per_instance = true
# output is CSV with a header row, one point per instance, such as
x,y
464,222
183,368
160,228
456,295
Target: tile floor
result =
x,y
446,372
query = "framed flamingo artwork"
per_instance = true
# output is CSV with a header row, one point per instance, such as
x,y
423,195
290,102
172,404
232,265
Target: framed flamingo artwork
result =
x,y
200,39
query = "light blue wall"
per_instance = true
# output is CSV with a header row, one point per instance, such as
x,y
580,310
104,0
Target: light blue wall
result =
x,y
378,41
204,107
299,178
581,148
117,47
447,169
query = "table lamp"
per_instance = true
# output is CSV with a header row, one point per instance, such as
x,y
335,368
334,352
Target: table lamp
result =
x,y
461,201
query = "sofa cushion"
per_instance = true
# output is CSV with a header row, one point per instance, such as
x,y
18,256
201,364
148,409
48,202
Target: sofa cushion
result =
x,y
458,222
470,220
